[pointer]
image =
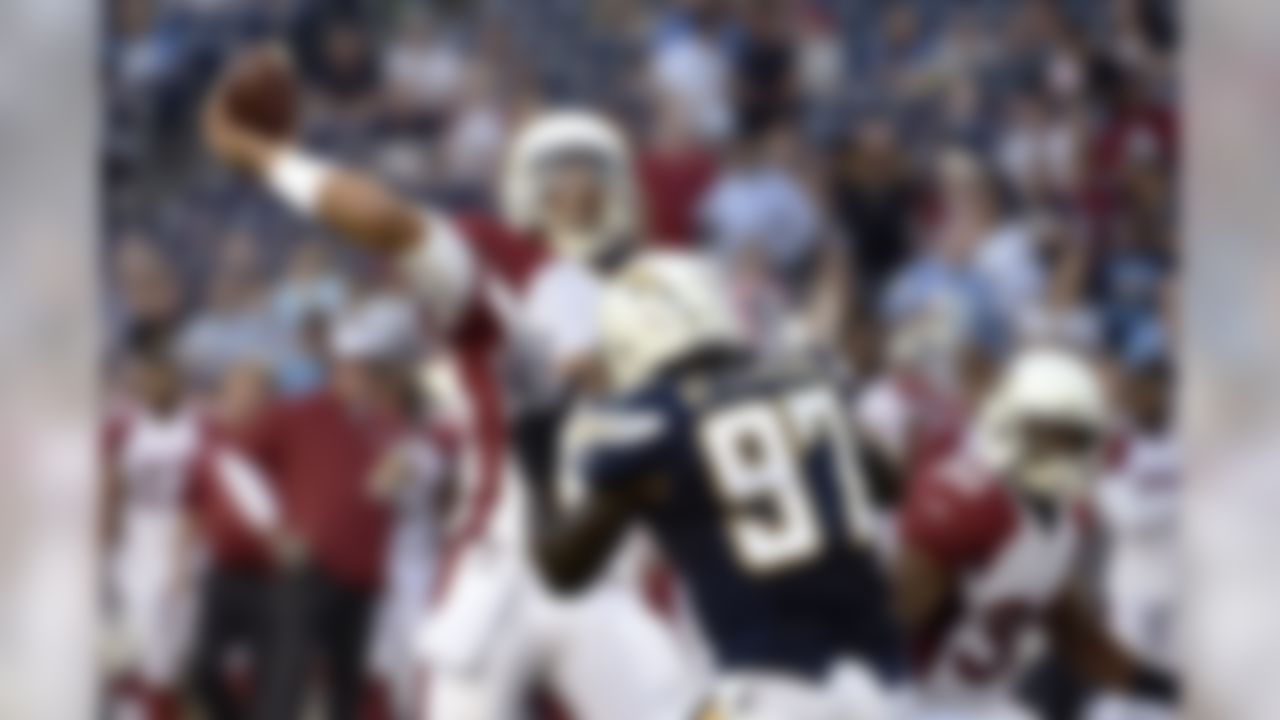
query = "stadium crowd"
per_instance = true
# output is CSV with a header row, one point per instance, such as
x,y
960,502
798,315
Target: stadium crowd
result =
x,y
918,186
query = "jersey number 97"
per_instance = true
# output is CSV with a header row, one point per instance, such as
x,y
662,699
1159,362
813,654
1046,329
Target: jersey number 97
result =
x,y
755,451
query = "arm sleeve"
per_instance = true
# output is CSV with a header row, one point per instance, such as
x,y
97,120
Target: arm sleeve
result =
x,y
958,527
442,272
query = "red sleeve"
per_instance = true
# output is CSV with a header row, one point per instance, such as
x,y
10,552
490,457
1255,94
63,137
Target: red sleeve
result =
x,y
196,492
264,441
957,525
465,312
503,252
479,325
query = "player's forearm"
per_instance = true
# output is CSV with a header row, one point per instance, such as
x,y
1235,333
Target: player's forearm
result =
x,y
1099,659
919,590
356,206
1096,655
352,204
571,547
570,552
1084,644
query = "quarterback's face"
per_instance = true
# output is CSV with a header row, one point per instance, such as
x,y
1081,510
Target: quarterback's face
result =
x,y
573,193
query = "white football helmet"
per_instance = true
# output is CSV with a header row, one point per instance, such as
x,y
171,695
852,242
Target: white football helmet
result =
x,y
555,134
661,308
1043,423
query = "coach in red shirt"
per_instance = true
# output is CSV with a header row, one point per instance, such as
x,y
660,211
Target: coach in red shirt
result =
x,y
234,518
320,451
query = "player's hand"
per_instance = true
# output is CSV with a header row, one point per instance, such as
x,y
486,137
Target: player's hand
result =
x,y
251,109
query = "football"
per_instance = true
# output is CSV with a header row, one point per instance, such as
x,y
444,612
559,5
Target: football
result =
x,y
262,93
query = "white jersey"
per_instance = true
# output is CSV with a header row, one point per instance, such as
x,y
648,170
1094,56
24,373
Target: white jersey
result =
x,y
1138,503
1012,564
512,319
154,457
414,473
517,321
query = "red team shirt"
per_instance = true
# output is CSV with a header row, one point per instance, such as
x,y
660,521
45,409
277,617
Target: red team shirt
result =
x,y
318,455
233,540
172,465
1009,564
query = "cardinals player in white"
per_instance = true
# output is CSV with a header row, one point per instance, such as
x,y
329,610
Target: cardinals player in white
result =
x,y
415,477
990,538
1138,502
150,450
494,630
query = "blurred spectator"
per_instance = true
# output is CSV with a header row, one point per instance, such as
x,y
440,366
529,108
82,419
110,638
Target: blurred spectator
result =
x,y
758,202
306,365
765,65
145,286
897,50
320,451
966,49
691,69
820,65
144,53
1001,248
948,271
675,172
1062,312
311,285
346,70
1040,152
235,323
472,145
425,70
874,197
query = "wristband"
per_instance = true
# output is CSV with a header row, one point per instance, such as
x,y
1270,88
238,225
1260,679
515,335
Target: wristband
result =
x,y
298,179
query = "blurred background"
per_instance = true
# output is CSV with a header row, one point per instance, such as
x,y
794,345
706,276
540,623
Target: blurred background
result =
x,y
768,132
972,174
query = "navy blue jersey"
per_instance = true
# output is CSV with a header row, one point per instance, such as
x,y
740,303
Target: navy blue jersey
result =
x,y
763,511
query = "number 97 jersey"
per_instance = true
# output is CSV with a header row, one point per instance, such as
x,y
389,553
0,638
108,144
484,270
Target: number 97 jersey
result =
x,y
760,507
